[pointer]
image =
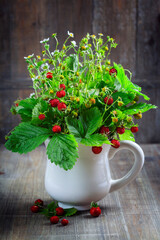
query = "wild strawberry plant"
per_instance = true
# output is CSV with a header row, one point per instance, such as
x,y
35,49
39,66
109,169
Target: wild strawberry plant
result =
x,y
79,97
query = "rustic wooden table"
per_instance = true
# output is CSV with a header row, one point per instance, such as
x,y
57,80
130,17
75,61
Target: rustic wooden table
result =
x,y
130,213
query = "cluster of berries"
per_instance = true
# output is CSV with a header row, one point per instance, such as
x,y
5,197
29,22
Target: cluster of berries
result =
x,y
115,143
54,219
95,211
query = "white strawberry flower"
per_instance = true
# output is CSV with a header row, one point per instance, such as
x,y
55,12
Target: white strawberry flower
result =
x,y
32,95
54,52
70,34
74,43
44,40
45,66
29,56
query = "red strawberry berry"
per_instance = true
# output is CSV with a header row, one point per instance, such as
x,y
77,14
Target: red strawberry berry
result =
x,y
108,101
104,129
64,222
34,209
39,202
115,143
61,106
54,102
112,70
54,219
120,130
61,93
95,211
17,104
49,75
62,86
41,116
59,211
56,129
96,150
134,129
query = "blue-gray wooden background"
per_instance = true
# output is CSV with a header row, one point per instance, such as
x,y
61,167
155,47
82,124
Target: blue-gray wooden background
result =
x,y
134,24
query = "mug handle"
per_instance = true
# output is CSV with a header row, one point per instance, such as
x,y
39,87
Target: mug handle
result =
x,y
138,164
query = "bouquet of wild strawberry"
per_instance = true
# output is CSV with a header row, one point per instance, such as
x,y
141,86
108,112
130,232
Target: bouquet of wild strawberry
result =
x,y
79,98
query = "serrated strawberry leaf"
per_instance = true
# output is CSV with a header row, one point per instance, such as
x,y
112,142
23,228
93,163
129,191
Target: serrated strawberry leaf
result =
x,y
70,212
26,137
95,140
62,150
91,120
135,108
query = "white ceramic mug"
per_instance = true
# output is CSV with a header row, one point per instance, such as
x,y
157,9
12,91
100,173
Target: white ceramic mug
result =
x,y
90,178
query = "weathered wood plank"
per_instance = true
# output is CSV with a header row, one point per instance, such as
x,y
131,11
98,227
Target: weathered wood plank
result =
x,y
118,19
148,34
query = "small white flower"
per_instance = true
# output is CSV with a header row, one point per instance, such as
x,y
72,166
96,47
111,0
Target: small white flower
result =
x,y
44,40
32,95
29,56
34,78
74,43
100,34
45,66
55,52
70,34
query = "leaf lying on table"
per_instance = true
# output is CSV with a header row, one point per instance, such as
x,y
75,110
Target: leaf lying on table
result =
x,y
50,210
26,137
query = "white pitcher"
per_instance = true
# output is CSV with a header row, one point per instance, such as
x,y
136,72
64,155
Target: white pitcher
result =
x,y
90,178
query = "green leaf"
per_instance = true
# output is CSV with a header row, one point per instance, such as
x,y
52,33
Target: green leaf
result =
x,y
25,108
127,135
39,108
122,78
91,120
95,140
26,137
135,108
70,211
143,95
75,127
126,97
62,150
72,62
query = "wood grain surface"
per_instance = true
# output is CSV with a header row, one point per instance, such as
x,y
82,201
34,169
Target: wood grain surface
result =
x,y
132,213
134,25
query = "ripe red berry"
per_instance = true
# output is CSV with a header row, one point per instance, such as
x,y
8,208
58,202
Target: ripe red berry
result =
x,y
61,106
34,209
112,70
17,104
104,129
115,143
56,129
54,219
61,93
41,116
54,102
49,75
134,129
120,130
39,202
96,150
59,211
95,211
62,86
107,100
64,222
